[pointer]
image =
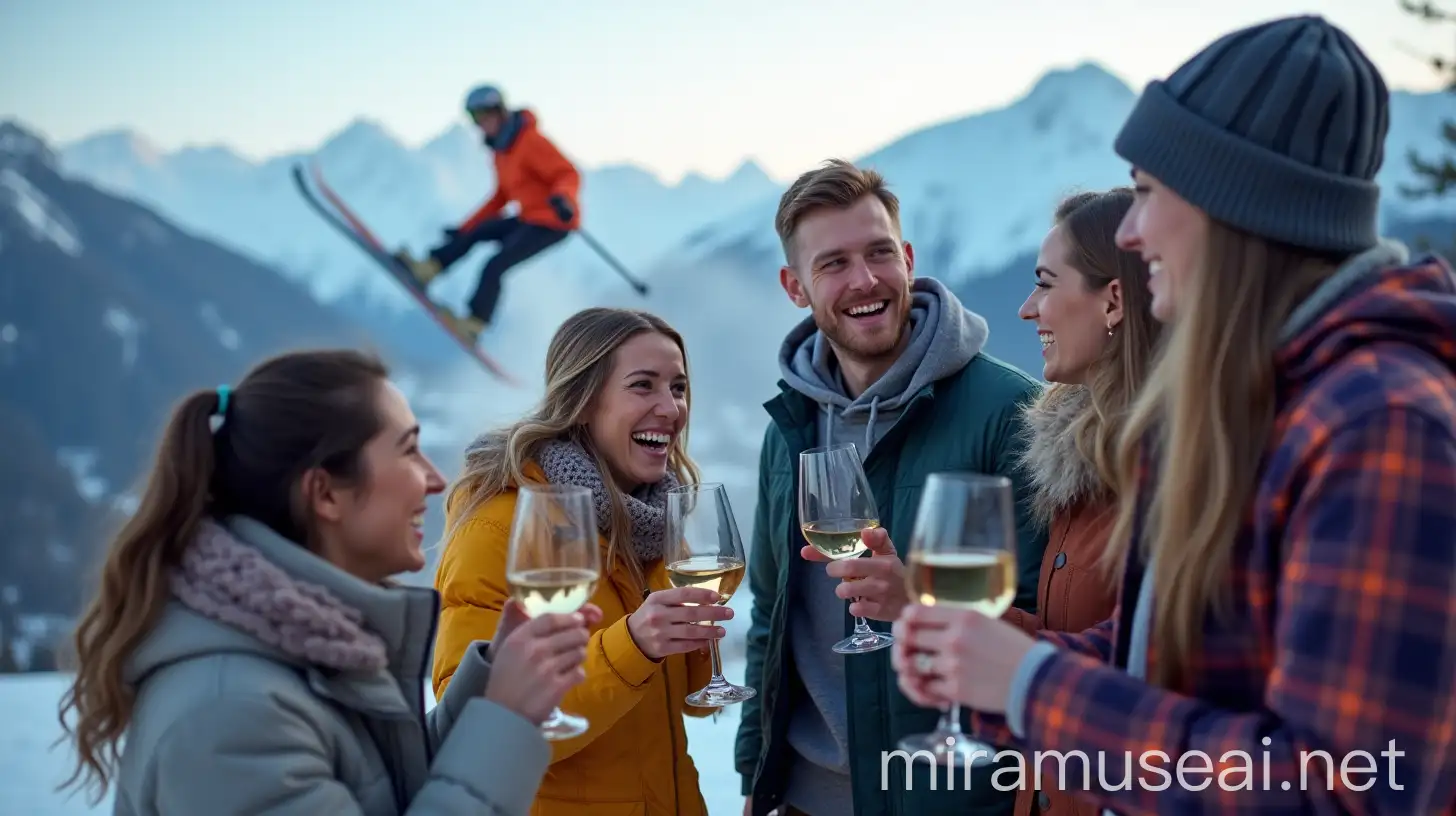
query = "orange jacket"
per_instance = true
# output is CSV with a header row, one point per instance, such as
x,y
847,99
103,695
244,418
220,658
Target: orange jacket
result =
x,y
529,170
634,757
1072,595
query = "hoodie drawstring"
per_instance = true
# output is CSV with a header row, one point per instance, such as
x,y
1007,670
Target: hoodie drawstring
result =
x,y
870,426
869,440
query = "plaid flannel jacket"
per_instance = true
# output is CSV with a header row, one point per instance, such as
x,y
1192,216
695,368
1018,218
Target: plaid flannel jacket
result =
x,y
1342,637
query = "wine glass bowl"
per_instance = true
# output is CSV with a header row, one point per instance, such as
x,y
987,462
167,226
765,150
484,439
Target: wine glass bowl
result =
x,y
836,506
962,553
983,581
838,538
703,549
553,565
714,573
553,590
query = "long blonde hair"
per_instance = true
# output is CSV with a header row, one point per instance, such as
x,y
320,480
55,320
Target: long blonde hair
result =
x,y
578,363
1208,411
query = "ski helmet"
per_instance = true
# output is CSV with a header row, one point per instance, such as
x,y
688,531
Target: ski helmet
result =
x,y
483,97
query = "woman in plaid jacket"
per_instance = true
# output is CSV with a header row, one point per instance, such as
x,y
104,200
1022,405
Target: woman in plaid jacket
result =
x,y
1285,636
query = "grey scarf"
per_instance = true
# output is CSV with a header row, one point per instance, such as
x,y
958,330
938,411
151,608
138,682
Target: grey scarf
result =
x,y
567,463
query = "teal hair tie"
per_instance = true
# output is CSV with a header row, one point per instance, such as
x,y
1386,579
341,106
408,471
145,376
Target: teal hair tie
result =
x,y
223,392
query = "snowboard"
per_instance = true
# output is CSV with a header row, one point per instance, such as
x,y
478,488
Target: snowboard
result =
x,y
343,219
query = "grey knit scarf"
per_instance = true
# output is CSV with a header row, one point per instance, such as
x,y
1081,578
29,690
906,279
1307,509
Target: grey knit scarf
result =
x,y
566,462
232,583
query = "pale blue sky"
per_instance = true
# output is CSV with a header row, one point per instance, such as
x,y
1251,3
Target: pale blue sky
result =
x,y
671,86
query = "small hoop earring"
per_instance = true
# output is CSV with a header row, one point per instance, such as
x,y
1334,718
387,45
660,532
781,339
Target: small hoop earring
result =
x,y
1109,329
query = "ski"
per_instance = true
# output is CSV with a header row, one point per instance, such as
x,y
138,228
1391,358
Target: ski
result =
x,y
347,223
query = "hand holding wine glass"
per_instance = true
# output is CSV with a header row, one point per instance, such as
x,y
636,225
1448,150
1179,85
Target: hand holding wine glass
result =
x,y
874,586
704,550
667,623
971,659
534,661
962,555
553,565
836,506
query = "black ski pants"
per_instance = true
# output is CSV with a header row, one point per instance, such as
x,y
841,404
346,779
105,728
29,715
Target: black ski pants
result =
x,y
518,241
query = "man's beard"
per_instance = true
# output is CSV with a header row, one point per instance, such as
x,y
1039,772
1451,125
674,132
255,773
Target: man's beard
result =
x,y
850,340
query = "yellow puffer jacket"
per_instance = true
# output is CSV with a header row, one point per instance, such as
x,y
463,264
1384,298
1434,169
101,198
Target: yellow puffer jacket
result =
x,y
633,761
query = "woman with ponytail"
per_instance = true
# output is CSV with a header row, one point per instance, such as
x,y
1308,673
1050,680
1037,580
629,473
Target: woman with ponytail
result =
x,y
247,650
1285,636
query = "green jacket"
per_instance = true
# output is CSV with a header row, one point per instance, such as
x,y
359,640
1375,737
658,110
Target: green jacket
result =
x,y
968,421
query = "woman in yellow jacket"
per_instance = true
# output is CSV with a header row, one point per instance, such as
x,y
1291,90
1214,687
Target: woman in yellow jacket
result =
x,y
614,419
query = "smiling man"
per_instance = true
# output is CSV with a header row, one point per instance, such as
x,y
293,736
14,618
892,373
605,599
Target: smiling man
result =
x,y
894,364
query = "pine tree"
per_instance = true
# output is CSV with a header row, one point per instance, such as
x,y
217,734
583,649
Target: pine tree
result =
x,y
1437,174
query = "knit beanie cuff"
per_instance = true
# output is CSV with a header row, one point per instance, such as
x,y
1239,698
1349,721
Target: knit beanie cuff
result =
x,y
1245,185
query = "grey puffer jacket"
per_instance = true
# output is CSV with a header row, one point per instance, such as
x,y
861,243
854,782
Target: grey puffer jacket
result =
x,y
276,683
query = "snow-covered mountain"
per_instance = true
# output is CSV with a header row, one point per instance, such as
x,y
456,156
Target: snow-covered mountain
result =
x,y
977,194
406,195
109,313
979,190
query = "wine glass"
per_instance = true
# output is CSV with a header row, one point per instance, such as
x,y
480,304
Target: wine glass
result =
x,y
703,549
962,554
835,506
553,565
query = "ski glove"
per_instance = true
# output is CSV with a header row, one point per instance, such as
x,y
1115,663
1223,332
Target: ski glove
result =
x,y
562,207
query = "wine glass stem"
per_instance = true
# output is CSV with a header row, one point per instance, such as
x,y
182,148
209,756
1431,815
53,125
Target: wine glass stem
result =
x,y
950,721
861,626
717,663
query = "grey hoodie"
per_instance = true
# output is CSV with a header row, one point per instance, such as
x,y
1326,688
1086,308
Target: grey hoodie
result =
x,y
944,337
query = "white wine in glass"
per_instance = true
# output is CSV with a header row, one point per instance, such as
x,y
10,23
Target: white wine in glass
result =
x,y
553,565
962,554
703,549
835,507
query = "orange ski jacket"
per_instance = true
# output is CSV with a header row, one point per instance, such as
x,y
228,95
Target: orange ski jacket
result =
x,y
529,170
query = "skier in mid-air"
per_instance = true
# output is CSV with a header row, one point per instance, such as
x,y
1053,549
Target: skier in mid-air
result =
x,y
530,171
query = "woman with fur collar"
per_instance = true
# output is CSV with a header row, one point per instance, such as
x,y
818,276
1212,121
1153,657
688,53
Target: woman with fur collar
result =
x,y
1286,530
1092,312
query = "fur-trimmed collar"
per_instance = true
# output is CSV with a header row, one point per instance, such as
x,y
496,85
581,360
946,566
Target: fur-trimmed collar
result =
x,y
1061,476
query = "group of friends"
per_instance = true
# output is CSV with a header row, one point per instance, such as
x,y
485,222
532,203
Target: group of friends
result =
x,y
1236,523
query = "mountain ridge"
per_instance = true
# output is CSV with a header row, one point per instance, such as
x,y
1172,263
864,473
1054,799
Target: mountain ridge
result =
x,y
984,184
1051,139
407,196
362,128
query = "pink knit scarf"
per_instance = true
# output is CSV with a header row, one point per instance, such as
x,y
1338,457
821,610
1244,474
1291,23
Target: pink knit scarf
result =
x,y
224,579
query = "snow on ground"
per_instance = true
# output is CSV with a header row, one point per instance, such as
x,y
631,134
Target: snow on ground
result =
x,y
31,766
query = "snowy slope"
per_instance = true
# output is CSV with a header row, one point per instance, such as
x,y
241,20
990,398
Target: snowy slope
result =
x,y
978,191
406,195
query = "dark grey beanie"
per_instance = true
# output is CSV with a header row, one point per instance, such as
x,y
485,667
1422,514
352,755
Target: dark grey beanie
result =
x,y
1277,129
